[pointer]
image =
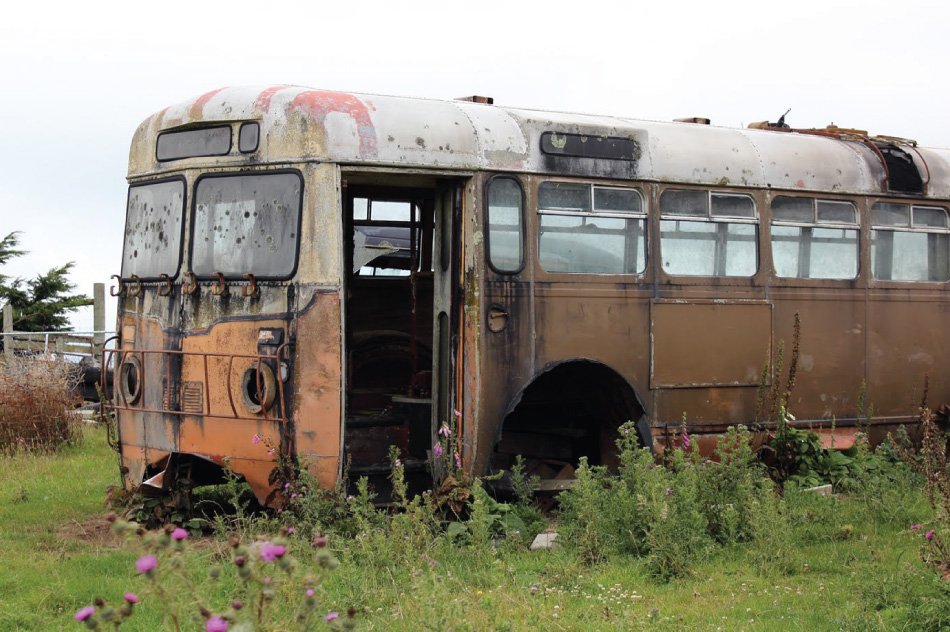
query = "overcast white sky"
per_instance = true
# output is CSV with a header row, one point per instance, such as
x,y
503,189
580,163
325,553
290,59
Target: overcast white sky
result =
x,y
76,78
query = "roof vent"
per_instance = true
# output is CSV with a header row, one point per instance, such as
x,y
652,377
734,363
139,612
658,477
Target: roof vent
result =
x,y
693,119
477,99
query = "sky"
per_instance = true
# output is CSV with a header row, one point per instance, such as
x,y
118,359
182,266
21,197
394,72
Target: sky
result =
x,y
76,79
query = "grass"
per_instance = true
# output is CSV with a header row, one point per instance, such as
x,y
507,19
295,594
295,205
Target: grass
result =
x,y
846,565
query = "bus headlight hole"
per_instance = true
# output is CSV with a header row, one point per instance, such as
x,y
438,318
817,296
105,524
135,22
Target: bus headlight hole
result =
x,y
259,388
130,379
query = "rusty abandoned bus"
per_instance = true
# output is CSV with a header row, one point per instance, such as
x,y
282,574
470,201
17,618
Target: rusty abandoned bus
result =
x,y
319,275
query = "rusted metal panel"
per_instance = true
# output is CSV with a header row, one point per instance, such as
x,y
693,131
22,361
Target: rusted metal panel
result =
x,y
715,343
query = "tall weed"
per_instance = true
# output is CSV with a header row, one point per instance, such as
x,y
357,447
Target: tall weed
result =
x,y
36,400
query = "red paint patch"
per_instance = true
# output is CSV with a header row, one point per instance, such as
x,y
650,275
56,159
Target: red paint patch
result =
x,y
265,97
200,102
319,103
800,184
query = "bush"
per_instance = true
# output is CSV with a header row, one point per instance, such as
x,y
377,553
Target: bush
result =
x,y
36,400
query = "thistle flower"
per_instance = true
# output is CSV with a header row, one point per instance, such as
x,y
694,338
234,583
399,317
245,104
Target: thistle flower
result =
x,y
216,624
84,613
310,592
146,563
179,534
131,598
270,552
915,527
331,616
929,535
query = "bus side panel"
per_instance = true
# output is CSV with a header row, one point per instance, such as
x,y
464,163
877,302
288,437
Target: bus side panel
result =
x,y
906,342
318,384
831,363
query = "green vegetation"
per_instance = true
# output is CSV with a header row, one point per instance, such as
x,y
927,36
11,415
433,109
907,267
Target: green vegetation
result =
x,y
42,303
719,552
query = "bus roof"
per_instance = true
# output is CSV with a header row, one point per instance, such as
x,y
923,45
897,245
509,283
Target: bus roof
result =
x,y
300,124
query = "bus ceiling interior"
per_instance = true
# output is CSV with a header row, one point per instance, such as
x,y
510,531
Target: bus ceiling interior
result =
x,y
388,331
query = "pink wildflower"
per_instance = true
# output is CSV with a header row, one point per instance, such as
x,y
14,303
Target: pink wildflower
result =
x,y
270,552
179,534
458,460
669,491
685,441
458,413
310,592
84,613
290,530
331,616
146,563
216,624
915,527
445,431
132,598
398,463
437,450
286,485
255,439
271,452
929,534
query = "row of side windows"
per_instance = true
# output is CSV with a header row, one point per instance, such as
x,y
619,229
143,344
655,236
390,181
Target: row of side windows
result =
x,y
591,229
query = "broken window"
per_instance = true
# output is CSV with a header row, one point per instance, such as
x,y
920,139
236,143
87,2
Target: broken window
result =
x,y
814,239
505,225
383,236
910,243
708,234
585,229
247,224
153,228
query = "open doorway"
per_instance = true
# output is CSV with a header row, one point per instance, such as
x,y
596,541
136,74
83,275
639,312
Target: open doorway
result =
x,y
390,235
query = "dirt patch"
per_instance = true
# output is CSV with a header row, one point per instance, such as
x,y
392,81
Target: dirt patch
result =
x,y
96,531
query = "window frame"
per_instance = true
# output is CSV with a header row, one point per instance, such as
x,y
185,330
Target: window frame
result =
x,y
815,223
230,174
592,187
909,228
522,222
184,221
710,218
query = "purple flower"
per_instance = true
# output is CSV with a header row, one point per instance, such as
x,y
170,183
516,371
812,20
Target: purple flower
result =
x,y
915,527
458,460
445,431
255,439
286,485
331,616
290,530
310,592
398,463
929,534
132,598
293,495
270,552
534,589
84,613
146,563
685,441
669,491
271,452
179,534
458,413
216,624
437,450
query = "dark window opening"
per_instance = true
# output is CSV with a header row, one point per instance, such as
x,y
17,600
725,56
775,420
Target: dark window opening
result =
x,y
903,175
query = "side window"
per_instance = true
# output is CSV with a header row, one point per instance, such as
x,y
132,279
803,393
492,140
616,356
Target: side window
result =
x,y
505,244
383,242
910,243
814,239
708,234
585,229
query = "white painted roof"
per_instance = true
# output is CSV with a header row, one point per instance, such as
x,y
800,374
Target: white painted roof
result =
x,y
301,124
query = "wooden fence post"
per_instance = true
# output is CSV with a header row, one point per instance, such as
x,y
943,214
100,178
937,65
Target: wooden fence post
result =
x,y
8,329
98,319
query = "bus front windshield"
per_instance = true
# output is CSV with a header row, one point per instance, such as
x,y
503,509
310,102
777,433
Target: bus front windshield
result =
x,y
246,224
153,227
